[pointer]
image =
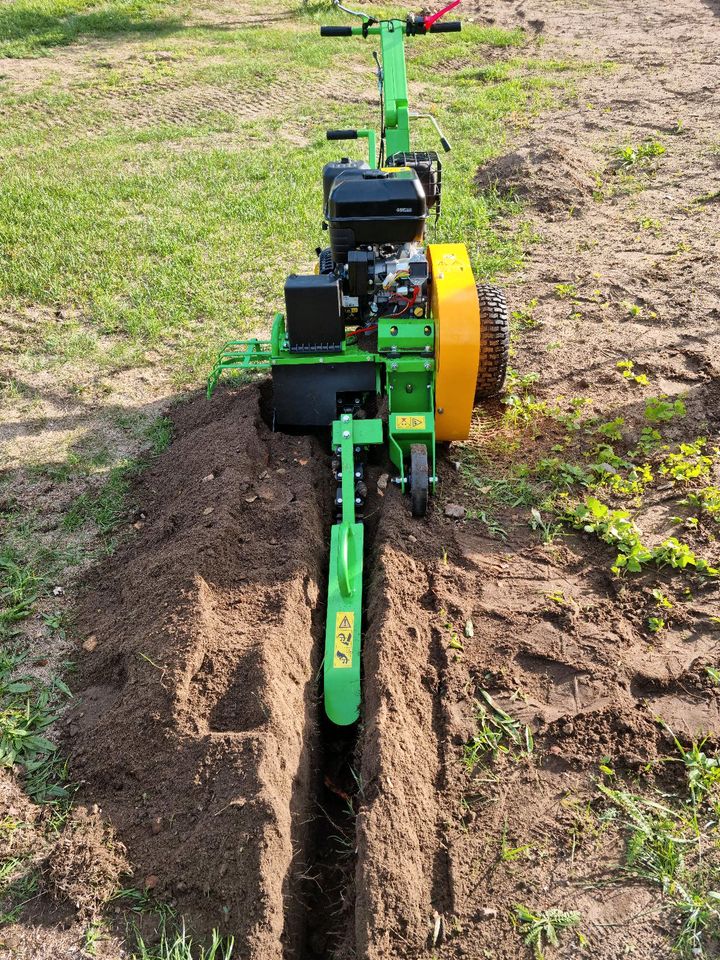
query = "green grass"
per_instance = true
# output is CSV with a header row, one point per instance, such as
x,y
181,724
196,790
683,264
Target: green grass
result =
x,y
673,843
175,236
28,706
179,945
31,27
496,733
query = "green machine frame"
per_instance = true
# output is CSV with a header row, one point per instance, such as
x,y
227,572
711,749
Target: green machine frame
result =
x,y
405,373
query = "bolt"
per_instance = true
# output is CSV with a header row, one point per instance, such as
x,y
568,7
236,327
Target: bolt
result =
x,y
394,365
339,501
346,417
358,501
346,434
358,474
427,365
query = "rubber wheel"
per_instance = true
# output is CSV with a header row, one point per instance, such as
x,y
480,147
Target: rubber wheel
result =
x,y
494,341
419,479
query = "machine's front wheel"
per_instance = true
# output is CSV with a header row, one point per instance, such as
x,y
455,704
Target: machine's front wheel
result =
x,y
419,479
494,341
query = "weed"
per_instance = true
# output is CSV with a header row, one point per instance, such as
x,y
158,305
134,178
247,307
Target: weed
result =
x,y
159,434
707,500
655,624
496,729
674,846
662,409
564,290
627,368
648,223
27,708
549,531
690,463
714,674
508,853
19,589
543,929
526,317
661,599
618,529
178,945
639,155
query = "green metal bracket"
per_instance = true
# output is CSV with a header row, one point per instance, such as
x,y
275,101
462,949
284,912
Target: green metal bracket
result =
x,y
411,411
240,355
344,607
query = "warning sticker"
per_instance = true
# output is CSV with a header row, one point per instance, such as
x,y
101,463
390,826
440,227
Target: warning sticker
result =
x,y
344,629
410,423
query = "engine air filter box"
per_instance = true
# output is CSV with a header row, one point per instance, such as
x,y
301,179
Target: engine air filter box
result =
x,y
313,313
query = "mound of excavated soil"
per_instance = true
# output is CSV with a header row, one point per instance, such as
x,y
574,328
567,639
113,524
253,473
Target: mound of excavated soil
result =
x,y
197,723
553,177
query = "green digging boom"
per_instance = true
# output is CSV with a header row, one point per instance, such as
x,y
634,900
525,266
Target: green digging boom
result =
x,y
385,317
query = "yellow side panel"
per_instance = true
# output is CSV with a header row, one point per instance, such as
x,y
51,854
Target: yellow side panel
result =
x,y
456,312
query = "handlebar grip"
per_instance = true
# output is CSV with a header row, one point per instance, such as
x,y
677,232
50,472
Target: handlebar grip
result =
x,y
342,135
451,26
335,31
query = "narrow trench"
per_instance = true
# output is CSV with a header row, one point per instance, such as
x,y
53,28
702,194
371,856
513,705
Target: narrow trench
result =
x,y
330,876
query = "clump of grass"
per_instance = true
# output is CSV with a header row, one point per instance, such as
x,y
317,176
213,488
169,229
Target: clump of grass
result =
x,y
108,507
178,945
20,586
497,733
675,846
28,706
543,929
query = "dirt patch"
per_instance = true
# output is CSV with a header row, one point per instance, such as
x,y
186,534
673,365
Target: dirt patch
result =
x,y
551,176
196,733
58,871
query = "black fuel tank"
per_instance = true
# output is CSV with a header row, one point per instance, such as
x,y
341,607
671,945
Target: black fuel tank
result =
x,y
374,208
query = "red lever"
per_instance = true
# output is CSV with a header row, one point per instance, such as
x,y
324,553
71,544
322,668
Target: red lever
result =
x,y
429,21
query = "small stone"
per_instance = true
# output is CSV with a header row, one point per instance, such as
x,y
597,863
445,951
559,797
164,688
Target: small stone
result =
x,y
457,466
556,751
383,481
568,728
151,882
455,511
412,538
156,825
208,510
469,629
58,591
138,525
90,644
208,478
251,499
487,913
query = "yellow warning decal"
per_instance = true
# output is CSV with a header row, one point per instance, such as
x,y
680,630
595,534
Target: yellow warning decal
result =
x,y
344,630
410,423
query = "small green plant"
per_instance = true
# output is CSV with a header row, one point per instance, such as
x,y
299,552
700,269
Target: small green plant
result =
x,y
543,929
19,589
639,155
689,463
714,674
662,409
497,732
612,429
564,290
549,530
627,368
509,853
707,500
661,600
655,624
648,223
526,316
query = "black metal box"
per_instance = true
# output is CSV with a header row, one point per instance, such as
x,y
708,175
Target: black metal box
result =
x,y
313,313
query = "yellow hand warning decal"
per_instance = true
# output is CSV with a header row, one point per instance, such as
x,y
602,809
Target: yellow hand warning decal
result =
x,y
344,630
410,423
